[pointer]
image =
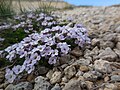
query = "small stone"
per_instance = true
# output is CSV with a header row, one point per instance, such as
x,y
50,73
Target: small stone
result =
x,y
95,41
70,71
73,85
49,74
115,78
105,44
30,77
76,52
2,76
79,73
89,84
10,87
81,62
106,79
64,79
118,38
56,77
56,87
41,70
41,84
118,45
111,86
81,78
102,66
109,36
117,29
20,86
107,89
84,68
64,59
117,52
108,54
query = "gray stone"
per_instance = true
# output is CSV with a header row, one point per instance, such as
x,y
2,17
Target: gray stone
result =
x,y
109,36
64,59
105,44
70,71
49,74
81,62
117,29
102,66
56,87
95,41
117,52
2,76
118,45
10,87
40,70
73,85
41,84
20,86
56,77
77,52
115,78
108,54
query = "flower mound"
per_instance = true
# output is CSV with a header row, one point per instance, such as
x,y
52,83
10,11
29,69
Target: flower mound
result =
x,y
49,44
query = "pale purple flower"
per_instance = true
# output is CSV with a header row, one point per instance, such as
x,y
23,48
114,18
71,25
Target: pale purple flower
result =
x,y
10,76
52,60
16,69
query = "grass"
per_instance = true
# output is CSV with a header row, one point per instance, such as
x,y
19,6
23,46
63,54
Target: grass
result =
x,y
6,9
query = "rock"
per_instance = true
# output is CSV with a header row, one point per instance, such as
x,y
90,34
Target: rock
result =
x,y
65,59
41,70
95,42
20,86
4,85
70,71
117,38
73,85
117,52
90,76
105,44
30,77
118,45
56,77
106,79
110,86
64,79
115,78
56,87
84,68
89,85
2,76
108,54
41,84
117,29
109,36
76,52
49,74
82,62
10,87
102,66
79,73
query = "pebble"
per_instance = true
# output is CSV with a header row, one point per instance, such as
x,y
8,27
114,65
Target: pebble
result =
x,y
115,78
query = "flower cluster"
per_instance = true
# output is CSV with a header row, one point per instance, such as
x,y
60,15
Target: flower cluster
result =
x,y
49,44
31,22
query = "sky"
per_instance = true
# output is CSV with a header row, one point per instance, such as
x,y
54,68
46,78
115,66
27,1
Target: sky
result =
x,y
93,2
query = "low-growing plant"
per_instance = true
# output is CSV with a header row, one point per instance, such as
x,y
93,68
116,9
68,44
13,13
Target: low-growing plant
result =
x,y
49,44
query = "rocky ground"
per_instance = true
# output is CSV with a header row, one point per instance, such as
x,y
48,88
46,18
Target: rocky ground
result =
x,y
95,67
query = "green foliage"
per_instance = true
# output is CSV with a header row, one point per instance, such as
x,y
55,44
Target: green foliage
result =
x,y
11,37
6,9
